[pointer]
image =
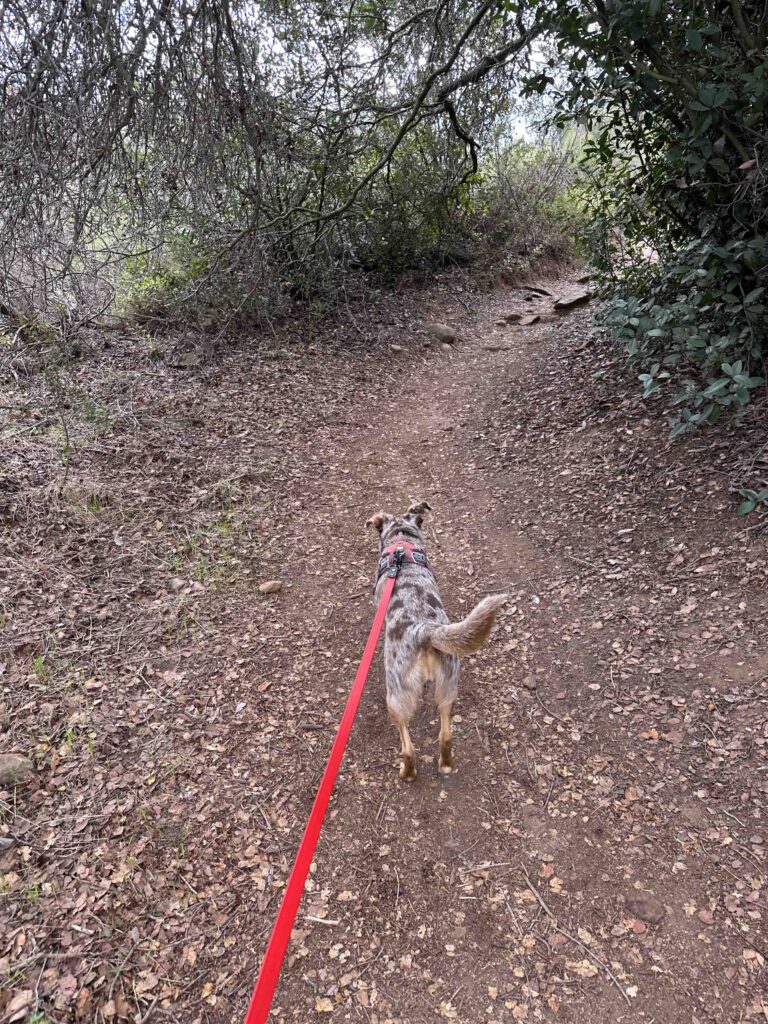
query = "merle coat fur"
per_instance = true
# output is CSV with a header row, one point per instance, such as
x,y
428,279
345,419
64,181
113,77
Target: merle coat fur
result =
x,y
421,645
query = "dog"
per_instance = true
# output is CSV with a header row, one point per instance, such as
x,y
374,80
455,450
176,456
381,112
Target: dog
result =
x,y
421,645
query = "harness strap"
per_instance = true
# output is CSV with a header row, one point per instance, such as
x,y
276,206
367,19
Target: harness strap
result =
x,y
408,552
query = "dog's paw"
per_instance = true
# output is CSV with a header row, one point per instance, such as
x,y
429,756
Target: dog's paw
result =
x,y
445,769
407,771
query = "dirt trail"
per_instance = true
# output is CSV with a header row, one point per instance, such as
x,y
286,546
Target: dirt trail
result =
x,y
599,854
434,916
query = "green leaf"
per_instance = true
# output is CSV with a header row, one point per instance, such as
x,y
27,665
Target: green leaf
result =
x,y
693,39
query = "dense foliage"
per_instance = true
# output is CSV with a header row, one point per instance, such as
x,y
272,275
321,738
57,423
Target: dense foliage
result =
x,y
673,97
211,155
240,152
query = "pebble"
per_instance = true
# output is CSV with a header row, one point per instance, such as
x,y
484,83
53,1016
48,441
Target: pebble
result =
x,y
646,907
14,769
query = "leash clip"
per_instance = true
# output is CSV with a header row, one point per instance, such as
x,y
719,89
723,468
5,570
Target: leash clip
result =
x,y
397,562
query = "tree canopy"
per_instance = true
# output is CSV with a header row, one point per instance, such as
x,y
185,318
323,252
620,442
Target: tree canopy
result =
x,y
241,154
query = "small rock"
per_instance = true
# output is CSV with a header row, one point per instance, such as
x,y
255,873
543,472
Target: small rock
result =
x,y
188,360
639,927
584,279
528,320
573,299
513,318
646,907
175,584
14,769
500,323
706,917
446,347
530,683
270,587
396,348
443,333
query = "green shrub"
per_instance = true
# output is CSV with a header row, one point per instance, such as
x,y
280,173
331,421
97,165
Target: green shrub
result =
x,y
698,319
674,101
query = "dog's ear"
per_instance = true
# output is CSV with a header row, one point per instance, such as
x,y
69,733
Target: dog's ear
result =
x,y
379,521
418,511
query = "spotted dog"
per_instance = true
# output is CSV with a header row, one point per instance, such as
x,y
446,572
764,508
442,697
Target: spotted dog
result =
x,y
421,645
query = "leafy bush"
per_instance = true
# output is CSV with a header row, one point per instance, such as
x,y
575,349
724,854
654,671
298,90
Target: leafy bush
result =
x,y
527,207
674,100
697,318
519,207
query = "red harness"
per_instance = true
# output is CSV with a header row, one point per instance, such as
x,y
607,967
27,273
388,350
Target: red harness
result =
x,y
401,551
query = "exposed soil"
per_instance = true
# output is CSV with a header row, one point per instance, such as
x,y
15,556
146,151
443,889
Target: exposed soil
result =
x,y
600,853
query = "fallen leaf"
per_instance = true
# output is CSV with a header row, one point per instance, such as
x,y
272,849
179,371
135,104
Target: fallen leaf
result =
x,y
18,1006
581,968
270,587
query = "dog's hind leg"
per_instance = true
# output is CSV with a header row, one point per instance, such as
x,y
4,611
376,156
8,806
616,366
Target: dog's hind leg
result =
x,y
445,760
446,691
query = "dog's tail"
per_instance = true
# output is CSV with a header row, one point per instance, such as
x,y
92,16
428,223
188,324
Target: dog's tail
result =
x,y
469,635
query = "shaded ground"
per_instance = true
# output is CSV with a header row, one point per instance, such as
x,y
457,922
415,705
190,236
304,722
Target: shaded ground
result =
x,y
598,856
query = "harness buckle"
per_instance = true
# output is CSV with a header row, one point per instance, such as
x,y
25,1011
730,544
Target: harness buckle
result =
x,y
397,562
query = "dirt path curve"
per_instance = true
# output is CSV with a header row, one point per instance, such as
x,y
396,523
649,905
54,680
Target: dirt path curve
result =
x,y
547,878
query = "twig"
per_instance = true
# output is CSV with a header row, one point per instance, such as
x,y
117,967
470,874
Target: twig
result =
x,y
549,795
67,454
150,1010
552,713
728,813
485,867
573,938
121,968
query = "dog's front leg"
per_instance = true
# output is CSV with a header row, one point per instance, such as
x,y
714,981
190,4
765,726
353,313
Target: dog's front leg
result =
x,y
407,751
402,700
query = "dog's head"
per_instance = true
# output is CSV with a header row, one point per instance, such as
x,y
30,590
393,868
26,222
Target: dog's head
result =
x,y
391,528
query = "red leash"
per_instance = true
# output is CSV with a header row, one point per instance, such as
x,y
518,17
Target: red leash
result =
x,y
261,1000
